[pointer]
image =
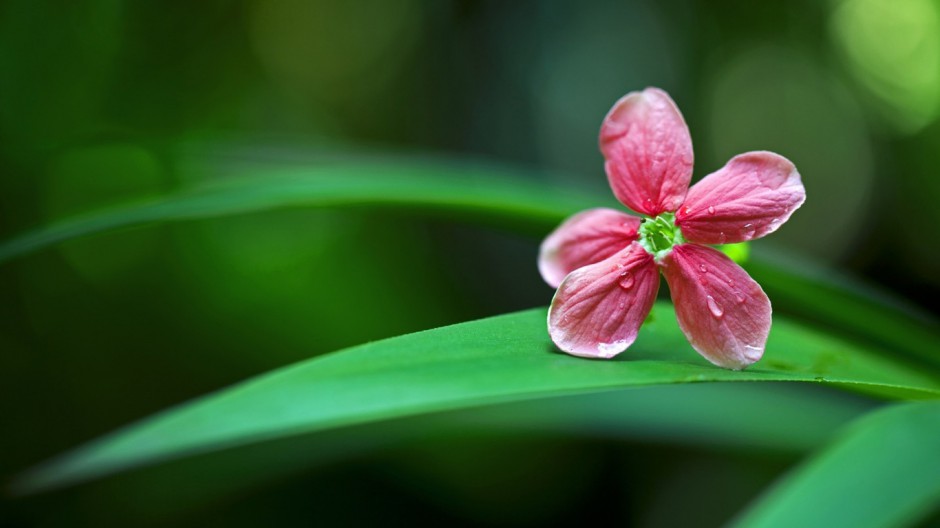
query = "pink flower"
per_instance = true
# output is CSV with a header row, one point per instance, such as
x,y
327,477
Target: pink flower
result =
x,y
606,263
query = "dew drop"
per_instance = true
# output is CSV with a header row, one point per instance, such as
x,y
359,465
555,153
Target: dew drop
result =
x,y
752,351
688,210
739,296
722,237
609,350
702,268
713,306
731,283
711,210
748,231
626,280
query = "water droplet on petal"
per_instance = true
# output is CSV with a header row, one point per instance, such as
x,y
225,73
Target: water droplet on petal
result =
x,y
739,296
702,268
626,280
748,231
609,350
752,351
688,210
711,210
713,306
722,237
731,283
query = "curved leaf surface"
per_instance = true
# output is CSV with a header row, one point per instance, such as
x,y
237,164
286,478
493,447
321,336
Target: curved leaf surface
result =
x,y
695,415
499,359
488,193
883,471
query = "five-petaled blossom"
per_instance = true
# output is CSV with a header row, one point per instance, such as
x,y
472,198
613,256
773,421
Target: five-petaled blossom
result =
x,y
604,262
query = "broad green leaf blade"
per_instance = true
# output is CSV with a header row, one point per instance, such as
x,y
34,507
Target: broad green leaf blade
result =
x,y
486,193
802,417
493,360
884,471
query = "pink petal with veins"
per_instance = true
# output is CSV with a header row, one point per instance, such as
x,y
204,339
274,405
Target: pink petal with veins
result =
x,y
598,309
751,196
723,313
585,238
648,152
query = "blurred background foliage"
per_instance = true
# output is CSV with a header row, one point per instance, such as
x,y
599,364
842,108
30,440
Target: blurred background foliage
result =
x,y
102,102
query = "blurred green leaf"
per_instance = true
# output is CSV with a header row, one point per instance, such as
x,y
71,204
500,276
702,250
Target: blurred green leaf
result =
x,y
496,195
500,359
490,194
836,302
737,252
883,471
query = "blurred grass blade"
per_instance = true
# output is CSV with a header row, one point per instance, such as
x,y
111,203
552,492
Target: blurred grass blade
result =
x,y
487,193
884,471
511,199
499,359
831,300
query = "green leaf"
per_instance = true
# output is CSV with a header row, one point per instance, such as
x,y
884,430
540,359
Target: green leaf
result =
x,y
737,252
500,359
695,415
833,301
493,195
883,471
490,194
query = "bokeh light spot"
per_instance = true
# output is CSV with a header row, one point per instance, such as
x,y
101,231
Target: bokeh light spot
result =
x,y
333,51
893,49
769,98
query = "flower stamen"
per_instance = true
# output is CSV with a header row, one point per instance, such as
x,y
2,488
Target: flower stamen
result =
x,y
659,235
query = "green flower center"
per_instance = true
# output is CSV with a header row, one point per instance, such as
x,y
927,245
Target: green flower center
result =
x,y
659,235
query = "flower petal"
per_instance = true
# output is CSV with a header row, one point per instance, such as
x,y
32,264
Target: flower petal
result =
x,y
585,238
648,152
751,196
598,309
723,313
